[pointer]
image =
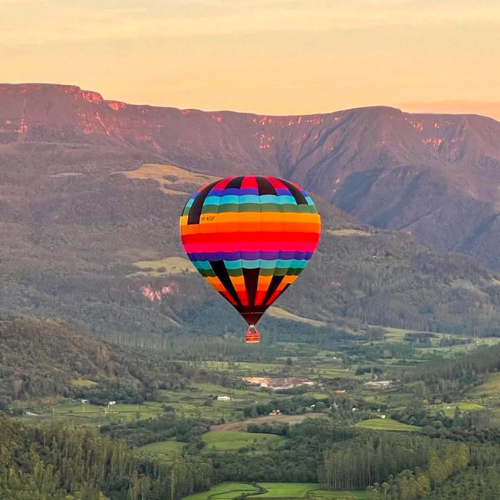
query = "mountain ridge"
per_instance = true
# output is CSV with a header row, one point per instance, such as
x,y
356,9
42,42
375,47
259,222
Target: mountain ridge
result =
x,y
89,220
434,175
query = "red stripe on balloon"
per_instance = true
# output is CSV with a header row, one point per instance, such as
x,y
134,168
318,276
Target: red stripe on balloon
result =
x,y
246,237
249,182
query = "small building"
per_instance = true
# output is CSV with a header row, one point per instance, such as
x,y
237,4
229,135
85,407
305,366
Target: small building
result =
x,y
223,398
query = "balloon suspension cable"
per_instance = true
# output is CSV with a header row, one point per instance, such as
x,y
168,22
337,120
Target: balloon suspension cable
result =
x,y
252,335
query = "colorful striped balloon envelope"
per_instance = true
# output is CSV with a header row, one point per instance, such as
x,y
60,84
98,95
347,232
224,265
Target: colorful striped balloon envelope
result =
x,y
250,237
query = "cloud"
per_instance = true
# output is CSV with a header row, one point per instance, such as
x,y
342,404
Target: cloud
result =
x,y
454,106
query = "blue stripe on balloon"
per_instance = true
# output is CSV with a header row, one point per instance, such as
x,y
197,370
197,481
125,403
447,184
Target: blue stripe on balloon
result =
x,y
250,198
234,191
202,265
256,264
238,200
283,192
263,255
220,200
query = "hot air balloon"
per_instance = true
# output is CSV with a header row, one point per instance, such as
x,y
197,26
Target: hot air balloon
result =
x,y
250,237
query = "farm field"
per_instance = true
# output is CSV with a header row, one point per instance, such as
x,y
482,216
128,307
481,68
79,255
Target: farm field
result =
x,y
449,409
286,490
462,349
386,424
224,491
169,265
278,312
234,440
94,415
338,495
491,386
228,491
209,389
324,371
164,451
398,335
168,176
348,232
291,419
243,368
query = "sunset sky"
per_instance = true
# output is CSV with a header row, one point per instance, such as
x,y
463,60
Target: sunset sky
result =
x,y
263,56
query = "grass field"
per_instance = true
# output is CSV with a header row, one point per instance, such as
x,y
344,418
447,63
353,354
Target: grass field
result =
x,y
207,389
348,232
277,312
234,440
243,368
163,267
167,175
339,495
228,491
164,451
192,401
81,382
459,349
189,402
491,386
92,415
291,419
386,424
224,491
287,490
449,409
337,373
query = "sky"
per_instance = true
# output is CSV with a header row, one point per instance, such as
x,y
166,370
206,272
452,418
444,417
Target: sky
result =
x,y
262,56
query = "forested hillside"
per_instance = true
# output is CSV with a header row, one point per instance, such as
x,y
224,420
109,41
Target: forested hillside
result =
x,y
57,461
102,253
41,358
62,463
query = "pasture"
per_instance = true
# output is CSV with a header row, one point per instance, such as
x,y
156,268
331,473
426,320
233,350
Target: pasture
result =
x,y
163,451
224,491
386,424
287,490
234,440
449,409
163,267
171,179
280,313
229,491
290,419
489,387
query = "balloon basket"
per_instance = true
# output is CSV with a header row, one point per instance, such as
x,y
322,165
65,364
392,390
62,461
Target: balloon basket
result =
x,y
252,335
